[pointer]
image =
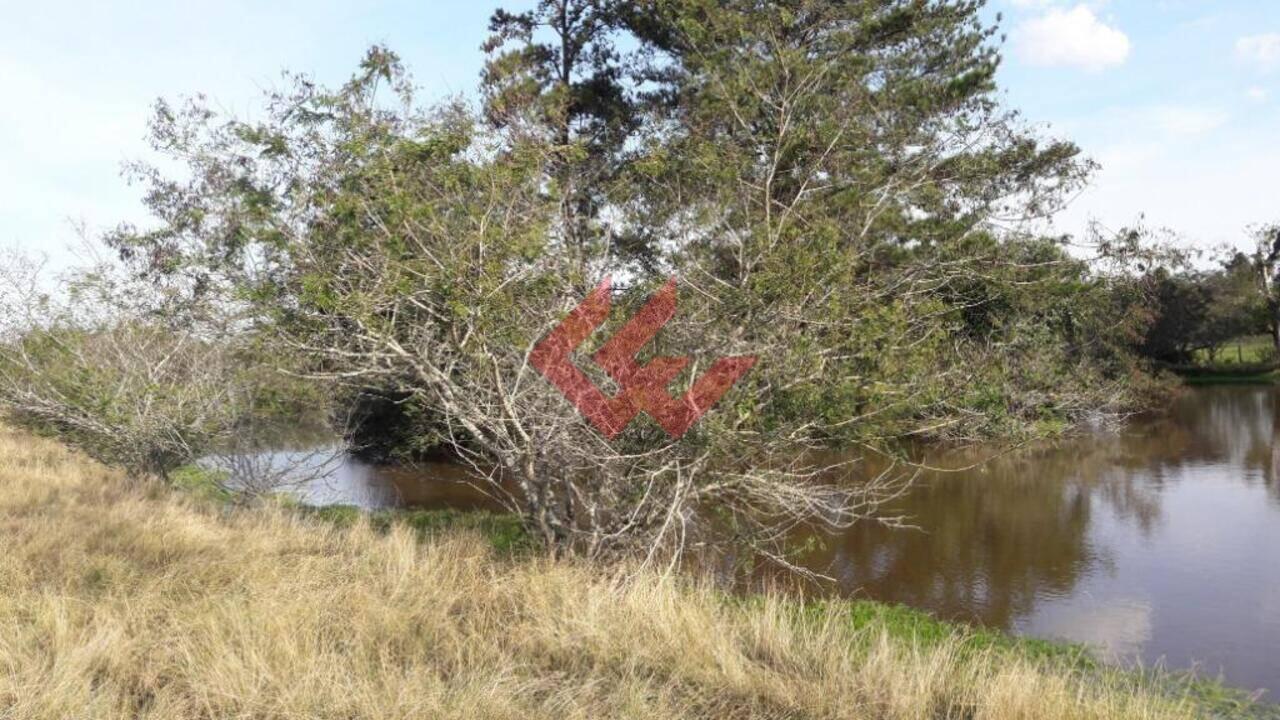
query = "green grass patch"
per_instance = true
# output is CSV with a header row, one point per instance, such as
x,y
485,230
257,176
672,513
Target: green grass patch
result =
x,y
1270,377
1212,698
1249,360
1245,361
202,483
504,532
1249,350
920,628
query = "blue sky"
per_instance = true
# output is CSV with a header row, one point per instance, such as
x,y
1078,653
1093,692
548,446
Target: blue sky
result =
x,y
1178,99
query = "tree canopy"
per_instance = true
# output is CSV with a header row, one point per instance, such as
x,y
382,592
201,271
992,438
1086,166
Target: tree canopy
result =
x,y
835,185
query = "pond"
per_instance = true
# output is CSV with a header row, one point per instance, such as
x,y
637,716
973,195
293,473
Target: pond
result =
x,y
1160,544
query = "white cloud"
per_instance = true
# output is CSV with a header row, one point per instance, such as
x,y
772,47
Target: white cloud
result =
x,y
1261,51
1257,94
1209,194
1072,38
1127,139
1181,167
1178,122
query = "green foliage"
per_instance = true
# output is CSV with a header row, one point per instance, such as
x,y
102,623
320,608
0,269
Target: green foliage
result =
x,y
1198,312
820,158
920,319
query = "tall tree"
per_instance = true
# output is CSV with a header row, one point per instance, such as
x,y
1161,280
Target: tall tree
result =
x,y
828,180
1266,260
844,171
555,73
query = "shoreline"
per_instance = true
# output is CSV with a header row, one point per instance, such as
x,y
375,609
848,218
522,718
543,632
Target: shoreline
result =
x,y
130,598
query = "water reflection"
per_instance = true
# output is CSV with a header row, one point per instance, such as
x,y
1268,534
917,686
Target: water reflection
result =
x,y
1154,545
978,555
325,475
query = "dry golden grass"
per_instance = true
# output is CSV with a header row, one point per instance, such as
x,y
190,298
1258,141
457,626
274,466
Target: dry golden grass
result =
x,y
121,601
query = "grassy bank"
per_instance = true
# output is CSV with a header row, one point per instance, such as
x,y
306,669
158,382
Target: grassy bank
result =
x,y
1228,374
1245,350
1228,377
1247,360
123,600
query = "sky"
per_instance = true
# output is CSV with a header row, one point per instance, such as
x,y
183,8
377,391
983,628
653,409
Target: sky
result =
x,y
1178,100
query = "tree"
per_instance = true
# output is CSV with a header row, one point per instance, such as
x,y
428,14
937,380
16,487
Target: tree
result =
x,y
1235,308
844,172
416,252
1265,258
554,74
99,372
1179,329
1197,310
827,180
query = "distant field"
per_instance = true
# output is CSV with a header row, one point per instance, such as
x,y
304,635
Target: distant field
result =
x,y
1248,350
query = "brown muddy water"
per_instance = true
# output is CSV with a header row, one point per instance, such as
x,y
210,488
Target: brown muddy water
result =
x,y
1157,545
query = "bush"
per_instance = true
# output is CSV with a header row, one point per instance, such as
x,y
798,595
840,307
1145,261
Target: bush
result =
x,y
130,394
